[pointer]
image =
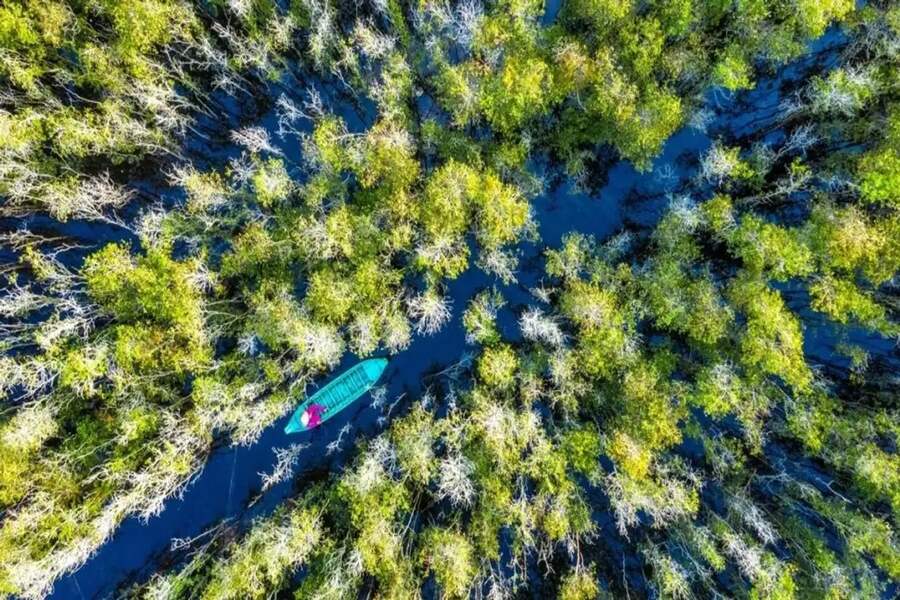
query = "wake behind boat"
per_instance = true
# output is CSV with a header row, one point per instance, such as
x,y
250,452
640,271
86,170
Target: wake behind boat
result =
x,y
337,395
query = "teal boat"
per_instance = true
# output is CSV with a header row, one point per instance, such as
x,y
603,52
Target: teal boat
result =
x,y
336,396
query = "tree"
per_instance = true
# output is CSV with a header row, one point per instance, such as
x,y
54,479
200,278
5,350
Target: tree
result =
x,y
497,366
518,93
450,556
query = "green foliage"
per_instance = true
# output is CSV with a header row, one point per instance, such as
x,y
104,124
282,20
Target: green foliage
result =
x,y
519,92
848,242
676,16
579,585
14,483
497,366
450,556
82,368
733,71
813,17
657,116
479,318
99,85
459,198
599,13
604,337
772,343
156,305
766,248
271,182
582,449
152,288
265,559
690,306
879,174
414,436
842,301
330,296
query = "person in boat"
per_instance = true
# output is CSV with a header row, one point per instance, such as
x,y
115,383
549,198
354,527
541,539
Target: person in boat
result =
x,y
312,416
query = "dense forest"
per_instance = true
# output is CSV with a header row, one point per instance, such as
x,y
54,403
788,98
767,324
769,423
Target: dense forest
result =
x,y
207,205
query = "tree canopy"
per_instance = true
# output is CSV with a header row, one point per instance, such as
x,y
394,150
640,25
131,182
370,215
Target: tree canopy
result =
x,y
207,205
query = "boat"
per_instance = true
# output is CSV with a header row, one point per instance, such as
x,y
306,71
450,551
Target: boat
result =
x,y
336,395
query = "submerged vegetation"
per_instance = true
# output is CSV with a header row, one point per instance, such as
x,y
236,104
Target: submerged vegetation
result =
x,y
658,426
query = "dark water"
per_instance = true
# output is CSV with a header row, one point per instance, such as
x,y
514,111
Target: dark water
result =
x,y
228,486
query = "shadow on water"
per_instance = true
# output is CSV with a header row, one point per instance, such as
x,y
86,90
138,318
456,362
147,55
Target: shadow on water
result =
x,y
228,487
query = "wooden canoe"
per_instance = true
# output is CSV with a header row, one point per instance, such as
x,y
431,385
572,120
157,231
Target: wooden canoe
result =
x,y
336,395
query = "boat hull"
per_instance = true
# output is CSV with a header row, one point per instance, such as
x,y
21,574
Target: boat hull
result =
x,y
336,395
